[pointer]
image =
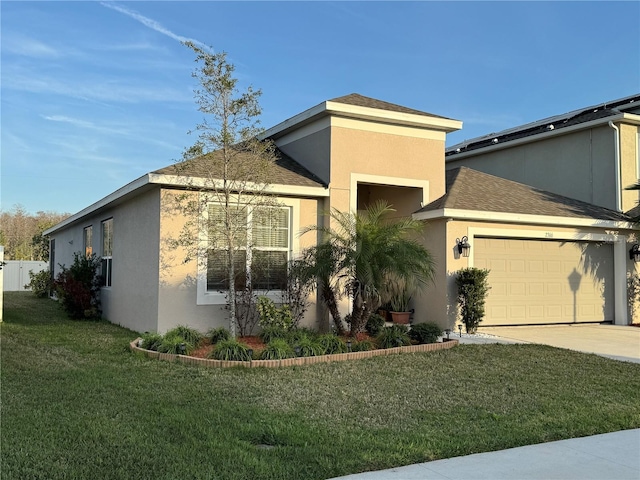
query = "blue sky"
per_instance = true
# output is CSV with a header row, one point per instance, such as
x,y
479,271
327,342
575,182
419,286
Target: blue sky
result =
x,y
96,94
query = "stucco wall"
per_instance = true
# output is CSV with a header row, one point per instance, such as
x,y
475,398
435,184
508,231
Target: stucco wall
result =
x,y
131,301
431,303
393,154
312,151
178,299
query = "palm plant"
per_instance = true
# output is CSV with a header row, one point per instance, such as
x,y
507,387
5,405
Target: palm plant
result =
x,y
361,255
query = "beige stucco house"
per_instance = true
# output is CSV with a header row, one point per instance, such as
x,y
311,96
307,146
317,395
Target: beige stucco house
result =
x,y
346,153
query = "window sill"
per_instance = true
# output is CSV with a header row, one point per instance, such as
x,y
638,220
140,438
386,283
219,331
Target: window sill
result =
x,y
220,298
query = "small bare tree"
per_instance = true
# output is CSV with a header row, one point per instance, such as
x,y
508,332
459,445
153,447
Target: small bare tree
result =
x,y
231,170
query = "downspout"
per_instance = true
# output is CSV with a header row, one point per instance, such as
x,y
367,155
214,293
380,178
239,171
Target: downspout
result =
x,y
618,167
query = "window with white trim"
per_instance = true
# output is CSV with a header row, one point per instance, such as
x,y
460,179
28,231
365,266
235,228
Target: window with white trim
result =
x,y
262,248
107,252
87,240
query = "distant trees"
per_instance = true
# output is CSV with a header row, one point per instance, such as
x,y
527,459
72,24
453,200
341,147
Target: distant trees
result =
x,y
21,233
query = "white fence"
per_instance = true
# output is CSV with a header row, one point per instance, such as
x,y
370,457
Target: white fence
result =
x,y
16,274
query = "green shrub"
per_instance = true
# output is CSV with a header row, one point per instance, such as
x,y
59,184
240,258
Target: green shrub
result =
x,y
175,344
216,335
277,349
394,336
375,324
272,316
473,287
190,335
425,332
633,294
331,344
297,334
40,283
151,341
308,347
363,346
271,333
78,287
231,349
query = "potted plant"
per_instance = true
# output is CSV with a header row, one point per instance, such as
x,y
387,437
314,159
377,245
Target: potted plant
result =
x,y
400,296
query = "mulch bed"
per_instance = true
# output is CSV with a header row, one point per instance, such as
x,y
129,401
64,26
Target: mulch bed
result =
x,y
254,342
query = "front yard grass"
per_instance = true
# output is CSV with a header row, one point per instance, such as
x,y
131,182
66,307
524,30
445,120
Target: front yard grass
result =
x,y
77,404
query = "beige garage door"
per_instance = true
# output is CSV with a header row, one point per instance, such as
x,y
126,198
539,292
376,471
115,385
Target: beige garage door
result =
x,y
545,281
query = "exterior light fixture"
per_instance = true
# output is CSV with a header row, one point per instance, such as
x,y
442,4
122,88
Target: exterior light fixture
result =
x,y
297,350
460,329
495,140
448,332
349,346
463,246
250,354
182,348
634,253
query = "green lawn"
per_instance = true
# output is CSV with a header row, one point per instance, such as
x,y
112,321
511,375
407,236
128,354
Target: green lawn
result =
x,y
77,404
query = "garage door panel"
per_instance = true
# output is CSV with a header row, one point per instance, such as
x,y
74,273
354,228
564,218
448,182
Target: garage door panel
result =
x,y
536,289
541,281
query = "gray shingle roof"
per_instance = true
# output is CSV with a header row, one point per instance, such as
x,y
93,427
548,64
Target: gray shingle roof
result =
x,y
362,101
287,171
468,189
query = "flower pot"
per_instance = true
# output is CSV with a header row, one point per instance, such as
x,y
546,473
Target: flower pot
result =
x,y
400,317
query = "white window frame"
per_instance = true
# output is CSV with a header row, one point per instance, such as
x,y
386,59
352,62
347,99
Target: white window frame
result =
x,y
106,259
206,297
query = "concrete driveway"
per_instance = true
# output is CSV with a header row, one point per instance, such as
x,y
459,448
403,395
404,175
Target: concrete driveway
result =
x,y
613,341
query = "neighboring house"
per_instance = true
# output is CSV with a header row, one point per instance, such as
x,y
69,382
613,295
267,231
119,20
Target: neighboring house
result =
x,y
591,154
347,153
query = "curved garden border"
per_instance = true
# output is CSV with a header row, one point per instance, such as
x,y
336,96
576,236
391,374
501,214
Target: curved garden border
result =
x,y
289,362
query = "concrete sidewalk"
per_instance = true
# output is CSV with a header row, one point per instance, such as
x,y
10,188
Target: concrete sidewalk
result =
x,y
611,456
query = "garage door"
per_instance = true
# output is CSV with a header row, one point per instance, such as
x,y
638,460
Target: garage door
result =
x,y
545,281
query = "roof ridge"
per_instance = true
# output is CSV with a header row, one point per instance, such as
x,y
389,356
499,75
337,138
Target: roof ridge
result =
x,y
360,100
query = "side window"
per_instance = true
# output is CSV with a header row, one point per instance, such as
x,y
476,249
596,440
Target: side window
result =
x,y
87,238
107,252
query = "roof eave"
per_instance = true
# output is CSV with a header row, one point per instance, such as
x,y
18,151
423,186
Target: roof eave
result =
x,y
181,181
338,109
119,194
522,218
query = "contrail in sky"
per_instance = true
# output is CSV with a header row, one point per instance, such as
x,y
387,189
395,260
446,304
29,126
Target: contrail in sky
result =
x,y
152,24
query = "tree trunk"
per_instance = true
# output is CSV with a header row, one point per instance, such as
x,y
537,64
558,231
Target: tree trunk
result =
x,y
359,315
332,304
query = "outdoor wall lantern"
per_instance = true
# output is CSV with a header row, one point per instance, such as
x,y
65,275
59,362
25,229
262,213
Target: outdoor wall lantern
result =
x,y
634,253
463,246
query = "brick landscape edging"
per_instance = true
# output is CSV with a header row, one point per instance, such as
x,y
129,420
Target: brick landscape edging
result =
x,y
289,362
